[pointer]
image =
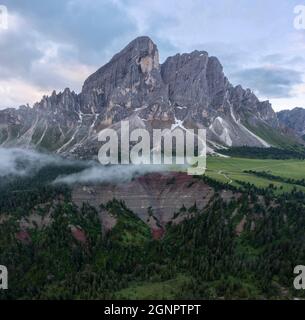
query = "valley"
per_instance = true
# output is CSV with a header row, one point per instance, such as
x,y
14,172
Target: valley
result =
x,y
158,235
232,170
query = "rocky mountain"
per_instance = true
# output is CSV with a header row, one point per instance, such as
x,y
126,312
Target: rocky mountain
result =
x,y
294,120
187,90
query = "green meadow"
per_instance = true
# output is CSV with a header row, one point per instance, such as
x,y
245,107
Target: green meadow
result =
x,y
231,170
155,290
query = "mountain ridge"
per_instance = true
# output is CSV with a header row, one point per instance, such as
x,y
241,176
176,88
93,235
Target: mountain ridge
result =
x,y
293,120
188,89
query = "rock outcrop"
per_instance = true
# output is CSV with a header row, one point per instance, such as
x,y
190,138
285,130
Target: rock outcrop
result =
x,y
156,198
294,120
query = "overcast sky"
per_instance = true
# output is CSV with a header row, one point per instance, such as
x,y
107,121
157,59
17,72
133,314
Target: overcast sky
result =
x,y
57,44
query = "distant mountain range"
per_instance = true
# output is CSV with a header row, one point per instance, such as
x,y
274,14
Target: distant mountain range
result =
x,y
294,120
189,90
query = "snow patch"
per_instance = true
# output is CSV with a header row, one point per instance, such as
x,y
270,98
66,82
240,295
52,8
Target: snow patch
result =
x,y
178,123
43,134
139,109
225,134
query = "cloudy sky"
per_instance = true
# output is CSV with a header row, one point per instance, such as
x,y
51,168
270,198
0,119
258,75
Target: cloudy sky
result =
x,y
57,44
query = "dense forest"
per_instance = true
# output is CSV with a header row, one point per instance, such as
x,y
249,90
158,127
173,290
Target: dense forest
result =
x,y
293,152
243,248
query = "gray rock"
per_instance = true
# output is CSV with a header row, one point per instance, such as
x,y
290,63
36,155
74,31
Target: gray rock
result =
x,y
191,88
293,120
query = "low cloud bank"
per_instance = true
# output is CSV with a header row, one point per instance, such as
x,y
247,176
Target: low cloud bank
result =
x,y
22,162
110,174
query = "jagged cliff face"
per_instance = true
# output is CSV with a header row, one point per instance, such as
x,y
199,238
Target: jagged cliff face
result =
x,y
189,89
131,80
293,120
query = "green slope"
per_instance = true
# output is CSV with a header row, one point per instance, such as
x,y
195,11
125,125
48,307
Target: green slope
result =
x,y
231,170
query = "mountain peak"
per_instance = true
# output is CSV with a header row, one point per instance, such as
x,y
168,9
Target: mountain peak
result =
x,y
190,88
137,49
129,80
142,41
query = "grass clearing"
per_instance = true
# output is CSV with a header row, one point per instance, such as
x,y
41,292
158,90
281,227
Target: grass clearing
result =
x,y
165,290
230,170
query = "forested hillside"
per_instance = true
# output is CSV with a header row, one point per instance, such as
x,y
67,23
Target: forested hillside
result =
x,y
245,247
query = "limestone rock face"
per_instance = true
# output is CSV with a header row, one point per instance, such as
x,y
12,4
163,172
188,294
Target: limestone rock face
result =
x,y
188,90
131,80
293,120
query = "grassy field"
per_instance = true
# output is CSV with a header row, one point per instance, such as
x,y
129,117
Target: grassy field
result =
x,y
155,290
232,169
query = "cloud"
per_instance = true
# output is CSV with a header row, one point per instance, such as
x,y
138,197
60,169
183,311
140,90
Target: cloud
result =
x,y
58,44
269,81
17,49
21,162
88,26
110,174
297,99
31,66
280,60
16,92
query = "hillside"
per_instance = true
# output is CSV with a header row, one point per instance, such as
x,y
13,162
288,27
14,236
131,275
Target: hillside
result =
x,y
242,243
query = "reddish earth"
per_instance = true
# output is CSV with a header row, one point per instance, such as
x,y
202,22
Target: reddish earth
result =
x,y
79,234
23,236
159,194
157,234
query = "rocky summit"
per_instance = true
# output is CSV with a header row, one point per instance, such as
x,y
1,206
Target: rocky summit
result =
x,y
293,120
188,90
